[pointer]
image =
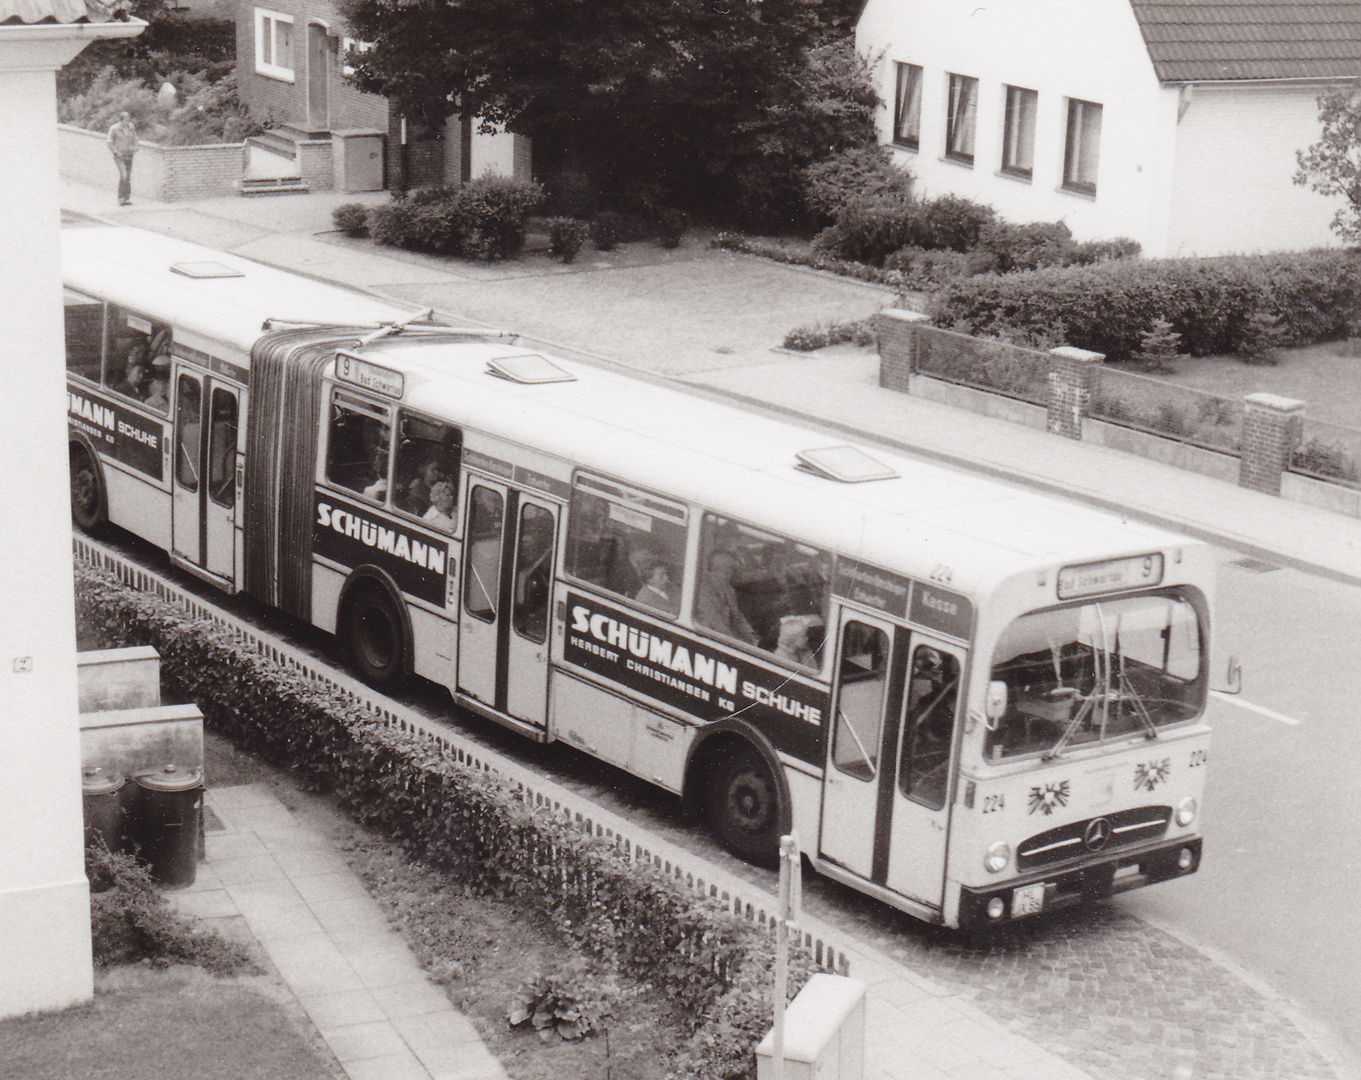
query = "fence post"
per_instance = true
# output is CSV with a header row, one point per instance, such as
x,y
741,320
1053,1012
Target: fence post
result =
x,y
895,330
1070,389
1271,430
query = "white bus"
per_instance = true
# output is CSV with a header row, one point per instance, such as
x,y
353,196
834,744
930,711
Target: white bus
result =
x,y
973,702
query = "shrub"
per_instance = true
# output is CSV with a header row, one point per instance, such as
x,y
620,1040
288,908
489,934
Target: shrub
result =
x,y
1158,347
808,338
351,218
611,228
670,225
203,112
923,268
1325,459
863,173
868,231
131,921
953,222
484,219
1004,246
566,237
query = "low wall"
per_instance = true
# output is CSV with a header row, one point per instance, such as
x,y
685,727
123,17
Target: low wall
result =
x,y
163,173
1180,455
998,406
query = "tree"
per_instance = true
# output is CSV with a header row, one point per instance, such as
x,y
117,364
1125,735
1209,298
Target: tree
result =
x,y
1332,166
685,93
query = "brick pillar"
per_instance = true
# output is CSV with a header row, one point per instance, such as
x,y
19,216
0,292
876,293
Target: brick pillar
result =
x,y
896,332
1271,431
1071,372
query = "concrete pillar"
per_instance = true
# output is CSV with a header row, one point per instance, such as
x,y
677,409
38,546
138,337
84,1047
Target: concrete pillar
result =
x,y
1271,431
896,332
44,897
1071,376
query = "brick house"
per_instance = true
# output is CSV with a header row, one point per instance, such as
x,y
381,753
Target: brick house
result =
x,y
1175,122
325,133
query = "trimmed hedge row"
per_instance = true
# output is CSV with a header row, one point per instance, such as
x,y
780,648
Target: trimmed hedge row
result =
x,y
471,825
1232,304
484,219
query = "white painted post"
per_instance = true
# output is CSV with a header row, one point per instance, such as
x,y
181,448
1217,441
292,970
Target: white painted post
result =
x,y
790,899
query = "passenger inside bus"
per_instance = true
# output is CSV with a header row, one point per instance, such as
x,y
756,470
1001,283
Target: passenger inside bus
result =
x,y
134,371
800,641
441,512
657,590
418,493
716,605
157,397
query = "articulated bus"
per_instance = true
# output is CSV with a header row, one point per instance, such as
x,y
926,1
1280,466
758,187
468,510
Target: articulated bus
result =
x,y
972,702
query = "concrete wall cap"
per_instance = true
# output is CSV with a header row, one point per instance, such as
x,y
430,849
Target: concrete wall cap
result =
x,y
1275,403
1072,352
904,315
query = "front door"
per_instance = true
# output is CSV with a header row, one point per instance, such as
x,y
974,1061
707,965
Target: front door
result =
x,y
203,525
508,552
318,78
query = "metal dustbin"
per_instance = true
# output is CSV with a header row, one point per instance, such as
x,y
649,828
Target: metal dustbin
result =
x,y
103,806
163,822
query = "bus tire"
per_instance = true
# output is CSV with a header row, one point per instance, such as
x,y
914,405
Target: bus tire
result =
x,y
87,493
744,807
373,635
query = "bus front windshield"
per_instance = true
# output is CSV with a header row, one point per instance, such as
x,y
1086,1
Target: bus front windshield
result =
x,y
1090,672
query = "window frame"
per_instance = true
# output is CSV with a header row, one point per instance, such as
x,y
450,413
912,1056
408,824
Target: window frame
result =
x,y
1080,160
266,24
1018,136
909,104
961,127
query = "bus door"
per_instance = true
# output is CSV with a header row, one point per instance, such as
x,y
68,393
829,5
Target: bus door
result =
x,y
508,551
203,525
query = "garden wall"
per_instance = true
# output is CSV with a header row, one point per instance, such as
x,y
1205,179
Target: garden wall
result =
x,y
163,173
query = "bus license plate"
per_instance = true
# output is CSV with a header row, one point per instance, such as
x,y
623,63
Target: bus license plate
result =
x,y
1027,900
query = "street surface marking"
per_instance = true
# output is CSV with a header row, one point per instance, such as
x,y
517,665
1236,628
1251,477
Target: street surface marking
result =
x,y
1255,708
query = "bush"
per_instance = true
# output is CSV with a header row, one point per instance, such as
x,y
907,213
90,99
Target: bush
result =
x,y
861,174
670,225
1212,304
611,228
1325,459
566,237
868,231
484,219
808,338
923,268
131,921
204,112
351,218
952,222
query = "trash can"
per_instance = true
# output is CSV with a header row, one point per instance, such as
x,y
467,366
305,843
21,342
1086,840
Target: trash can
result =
x,y
101,800
163,820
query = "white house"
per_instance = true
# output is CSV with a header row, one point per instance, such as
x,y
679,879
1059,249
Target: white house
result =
x,y
1175,122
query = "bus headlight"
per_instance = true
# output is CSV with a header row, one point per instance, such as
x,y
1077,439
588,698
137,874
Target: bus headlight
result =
x,y
999,854
1186,811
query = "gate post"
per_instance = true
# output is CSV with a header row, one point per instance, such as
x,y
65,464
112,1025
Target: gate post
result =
x,y
1071,375
1271,431
896,331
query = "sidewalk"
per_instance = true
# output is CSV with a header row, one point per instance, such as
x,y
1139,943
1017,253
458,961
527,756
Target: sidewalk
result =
x,y
714,321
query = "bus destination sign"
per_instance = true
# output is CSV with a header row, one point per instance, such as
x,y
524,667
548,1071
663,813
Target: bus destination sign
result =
x,y
1111,575
370,376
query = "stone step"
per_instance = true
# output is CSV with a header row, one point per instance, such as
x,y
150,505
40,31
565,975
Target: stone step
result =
x,y
283,185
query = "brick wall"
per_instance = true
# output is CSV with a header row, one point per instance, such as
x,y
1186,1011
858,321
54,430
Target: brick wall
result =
x,y
164,173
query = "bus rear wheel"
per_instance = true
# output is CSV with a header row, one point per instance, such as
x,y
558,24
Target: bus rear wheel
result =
x,y
87,509
744,808
372,635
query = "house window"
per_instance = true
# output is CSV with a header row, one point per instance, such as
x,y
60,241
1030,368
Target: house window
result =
x,y
1018,136
274,44
350,50
907,111
1082,146
959,122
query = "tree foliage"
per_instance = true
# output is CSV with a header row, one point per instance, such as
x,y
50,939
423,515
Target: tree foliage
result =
x,y
1332,166
698,95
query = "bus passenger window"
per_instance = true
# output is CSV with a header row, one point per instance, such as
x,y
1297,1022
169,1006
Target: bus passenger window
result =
x,y
533,573
628,542
222,449
428,452
763,589
860,700
932,691
84,335
482,578
357,447
136,353
187,429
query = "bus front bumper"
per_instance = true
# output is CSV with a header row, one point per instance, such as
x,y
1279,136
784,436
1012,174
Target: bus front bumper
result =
x,y
1059,887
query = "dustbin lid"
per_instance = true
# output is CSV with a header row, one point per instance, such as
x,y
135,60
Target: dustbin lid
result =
x,y
169,778
95,781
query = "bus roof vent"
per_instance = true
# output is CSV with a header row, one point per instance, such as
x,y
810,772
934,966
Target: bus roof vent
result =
x,y
848,464
204,270
528,368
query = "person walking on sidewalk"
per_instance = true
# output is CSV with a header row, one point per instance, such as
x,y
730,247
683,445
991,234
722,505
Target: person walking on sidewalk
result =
x,y
123,144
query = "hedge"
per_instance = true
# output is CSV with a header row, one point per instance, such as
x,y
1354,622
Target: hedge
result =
x,y
484,219
1218,305
471,825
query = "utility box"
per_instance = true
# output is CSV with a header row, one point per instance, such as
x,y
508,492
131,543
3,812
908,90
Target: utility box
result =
x,y
357,158
824,1033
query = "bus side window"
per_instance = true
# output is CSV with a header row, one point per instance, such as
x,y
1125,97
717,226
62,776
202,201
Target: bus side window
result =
x,y
428,452
357,447
933,689
222,449
84,335
482,579
187,429
860,700
627,542
136,355
533,573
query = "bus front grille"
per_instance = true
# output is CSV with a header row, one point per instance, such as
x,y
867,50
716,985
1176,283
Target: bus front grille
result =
x,y
1109,832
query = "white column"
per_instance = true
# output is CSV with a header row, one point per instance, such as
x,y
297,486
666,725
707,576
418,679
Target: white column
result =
x,y
44,897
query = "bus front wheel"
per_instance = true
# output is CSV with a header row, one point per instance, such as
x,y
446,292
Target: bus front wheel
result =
x,y
373,635
87,509
744,807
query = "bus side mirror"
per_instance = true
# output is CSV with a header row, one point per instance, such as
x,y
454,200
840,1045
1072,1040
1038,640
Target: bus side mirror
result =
x,y
1233,678
996,703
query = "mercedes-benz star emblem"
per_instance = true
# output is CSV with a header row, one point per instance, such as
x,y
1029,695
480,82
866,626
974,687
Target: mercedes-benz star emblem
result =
x,y
1097,835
